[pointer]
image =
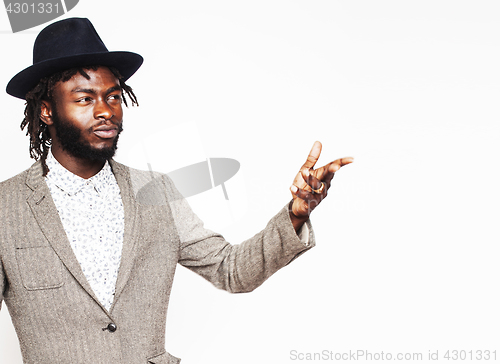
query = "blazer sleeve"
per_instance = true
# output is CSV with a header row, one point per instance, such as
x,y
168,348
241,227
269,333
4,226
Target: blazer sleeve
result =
x,y
242,267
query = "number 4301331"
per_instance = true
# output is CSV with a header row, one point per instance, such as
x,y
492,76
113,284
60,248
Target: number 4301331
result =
x,y
470,355
33,8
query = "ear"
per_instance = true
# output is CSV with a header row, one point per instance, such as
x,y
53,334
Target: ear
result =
x,y
46,113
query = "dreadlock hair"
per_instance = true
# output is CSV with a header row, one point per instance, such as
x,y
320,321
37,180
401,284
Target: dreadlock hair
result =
x,y
40,139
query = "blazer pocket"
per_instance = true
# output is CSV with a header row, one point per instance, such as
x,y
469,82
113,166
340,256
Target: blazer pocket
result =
x,y
40,268
164,358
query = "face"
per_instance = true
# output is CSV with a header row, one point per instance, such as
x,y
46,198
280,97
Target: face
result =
x,y
85,116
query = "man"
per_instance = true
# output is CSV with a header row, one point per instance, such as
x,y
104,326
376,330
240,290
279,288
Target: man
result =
x,y
88,246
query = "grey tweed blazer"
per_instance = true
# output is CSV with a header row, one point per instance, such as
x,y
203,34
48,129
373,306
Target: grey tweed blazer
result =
x,y
58,318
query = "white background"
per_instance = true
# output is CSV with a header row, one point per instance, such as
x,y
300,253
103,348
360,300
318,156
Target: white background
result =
x,y
407,255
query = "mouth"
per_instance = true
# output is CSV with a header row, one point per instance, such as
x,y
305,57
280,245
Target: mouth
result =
x,y
106,132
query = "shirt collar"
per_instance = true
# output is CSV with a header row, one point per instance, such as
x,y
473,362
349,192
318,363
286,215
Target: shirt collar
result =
x,y
71,183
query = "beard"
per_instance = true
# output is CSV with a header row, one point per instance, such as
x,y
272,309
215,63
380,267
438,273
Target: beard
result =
x,y
72,141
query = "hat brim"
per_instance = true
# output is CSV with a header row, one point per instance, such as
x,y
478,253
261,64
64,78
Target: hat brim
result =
x,y
127,64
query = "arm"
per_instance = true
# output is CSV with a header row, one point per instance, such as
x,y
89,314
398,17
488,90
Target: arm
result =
x,y
243,267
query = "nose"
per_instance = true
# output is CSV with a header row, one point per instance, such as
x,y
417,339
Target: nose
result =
x,y
102,110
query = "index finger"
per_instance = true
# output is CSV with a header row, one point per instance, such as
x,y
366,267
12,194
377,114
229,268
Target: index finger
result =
x,y
334,166
313,156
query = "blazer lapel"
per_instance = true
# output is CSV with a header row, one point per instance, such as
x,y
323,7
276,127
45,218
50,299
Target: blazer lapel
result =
x,y
122,176
47,217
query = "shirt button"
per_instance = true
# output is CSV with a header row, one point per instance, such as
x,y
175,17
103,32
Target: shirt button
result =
x,y
112,327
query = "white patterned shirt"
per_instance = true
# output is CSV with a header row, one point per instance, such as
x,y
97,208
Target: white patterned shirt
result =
x,y
92,215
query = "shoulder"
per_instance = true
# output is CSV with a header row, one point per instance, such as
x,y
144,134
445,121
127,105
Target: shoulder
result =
x,y
138,178
28,178
15,191
122,169
149,187
12,181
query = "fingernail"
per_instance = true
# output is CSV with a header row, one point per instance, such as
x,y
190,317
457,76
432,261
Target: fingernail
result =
x,y
293,188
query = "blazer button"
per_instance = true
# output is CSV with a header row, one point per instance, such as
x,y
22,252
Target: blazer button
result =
x,y
112,327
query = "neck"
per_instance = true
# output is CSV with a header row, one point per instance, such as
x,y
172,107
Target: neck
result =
x,y
84,168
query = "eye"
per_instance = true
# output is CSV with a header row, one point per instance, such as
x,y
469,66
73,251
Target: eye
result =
x,y
83,100
115,97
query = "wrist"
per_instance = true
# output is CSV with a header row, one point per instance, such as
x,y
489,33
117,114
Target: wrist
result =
x,y
297,221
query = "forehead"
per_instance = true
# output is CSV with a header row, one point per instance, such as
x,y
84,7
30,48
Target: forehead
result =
x,y
100,80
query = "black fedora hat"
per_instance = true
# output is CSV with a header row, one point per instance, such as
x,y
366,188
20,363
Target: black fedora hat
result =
x,y
66,44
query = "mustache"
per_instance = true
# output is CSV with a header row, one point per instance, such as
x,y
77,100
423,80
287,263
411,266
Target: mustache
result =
x,y
104,125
